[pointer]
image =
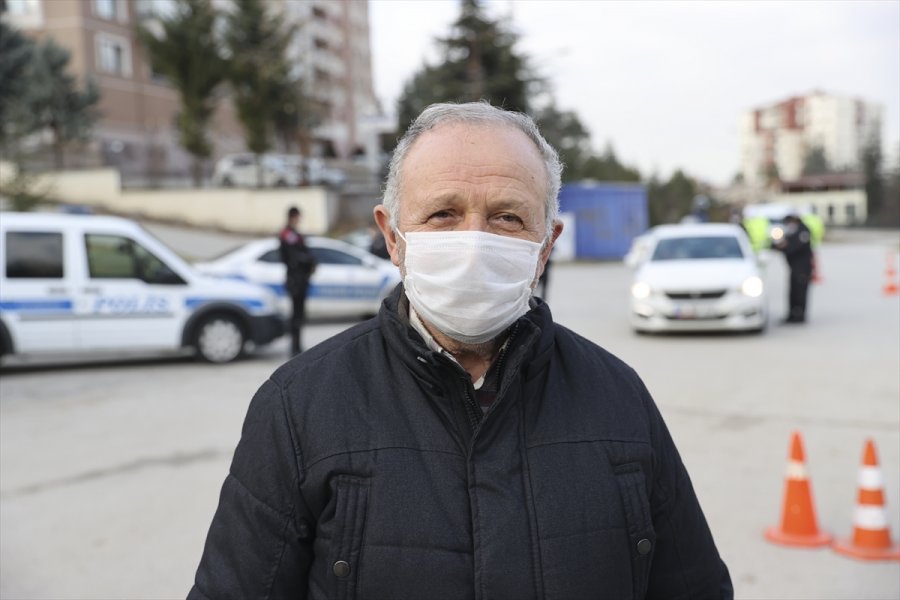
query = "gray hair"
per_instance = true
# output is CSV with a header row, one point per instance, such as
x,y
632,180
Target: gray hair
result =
x,y
480,113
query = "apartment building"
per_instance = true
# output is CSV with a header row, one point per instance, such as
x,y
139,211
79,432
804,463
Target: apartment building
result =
x,y
331,53
135,133
776,139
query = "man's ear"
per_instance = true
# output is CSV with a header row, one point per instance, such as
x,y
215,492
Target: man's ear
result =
x,y
383,220
548,247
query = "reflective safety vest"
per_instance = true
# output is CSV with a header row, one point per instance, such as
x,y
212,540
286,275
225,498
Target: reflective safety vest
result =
x,y
816,228
758,231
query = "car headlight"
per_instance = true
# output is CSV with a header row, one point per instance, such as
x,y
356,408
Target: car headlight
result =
x,y
640,290
753,287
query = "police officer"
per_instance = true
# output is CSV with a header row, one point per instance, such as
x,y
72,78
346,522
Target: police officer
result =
x,y
300,263
796,244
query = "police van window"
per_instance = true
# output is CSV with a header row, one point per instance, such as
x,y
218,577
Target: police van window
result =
x,y
34,255
328,256
116,257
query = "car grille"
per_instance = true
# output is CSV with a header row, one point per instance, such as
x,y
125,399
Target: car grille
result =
x,y
704,318
711,295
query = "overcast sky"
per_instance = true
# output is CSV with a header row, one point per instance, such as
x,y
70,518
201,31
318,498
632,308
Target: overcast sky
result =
x,y
665,82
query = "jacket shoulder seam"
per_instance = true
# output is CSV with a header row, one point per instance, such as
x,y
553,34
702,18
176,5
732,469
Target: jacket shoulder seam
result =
x,y
299,470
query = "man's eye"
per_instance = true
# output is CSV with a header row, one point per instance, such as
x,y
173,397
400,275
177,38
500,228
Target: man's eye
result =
x,y
441,214
509,220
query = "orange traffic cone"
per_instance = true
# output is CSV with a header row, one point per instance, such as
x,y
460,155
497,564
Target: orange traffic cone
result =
x,y
871,533
798,517
890,288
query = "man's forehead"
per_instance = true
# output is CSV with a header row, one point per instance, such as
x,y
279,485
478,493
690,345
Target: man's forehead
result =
x,y
446,138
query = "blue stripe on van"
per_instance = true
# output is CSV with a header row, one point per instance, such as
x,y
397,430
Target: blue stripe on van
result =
x,y
250,304
346,292
335,291
37,305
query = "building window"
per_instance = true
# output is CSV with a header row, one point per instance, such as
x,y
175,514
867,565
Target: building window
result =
x,y
159,9
105,9
113,55
111,10
23,7
25,14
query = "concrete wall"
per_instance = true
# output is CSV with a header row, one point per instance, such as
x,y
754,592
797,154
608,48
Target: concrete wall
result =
x,y
237,210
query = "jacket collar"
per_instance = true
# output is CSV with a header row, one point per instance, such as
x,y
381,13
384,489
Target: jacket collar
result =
x,y
529,350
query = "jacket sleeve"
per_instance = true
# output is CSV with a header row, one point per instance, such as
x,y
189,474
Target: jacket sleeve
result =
x,y
686,564
259,544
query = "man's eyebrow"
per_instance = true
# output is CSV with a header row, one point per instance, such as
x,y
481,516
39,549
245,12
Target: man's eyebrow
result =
x,y
441,198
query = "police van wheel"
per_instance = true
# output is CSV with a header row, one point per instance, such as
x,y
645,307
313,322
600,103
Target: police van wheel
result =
x,y
220,339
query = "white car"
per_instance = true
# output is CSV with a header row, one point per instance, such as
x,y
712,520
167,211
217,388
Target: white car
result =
x,y
316,172
240,170
349,282
697,277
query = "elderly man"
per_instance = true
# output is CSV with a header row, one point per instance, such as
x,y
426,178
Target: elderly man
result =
x,y
462,444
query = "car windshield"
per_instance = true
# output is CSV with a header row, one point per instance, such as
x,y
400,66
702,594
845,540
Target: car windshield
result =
x,y
694,248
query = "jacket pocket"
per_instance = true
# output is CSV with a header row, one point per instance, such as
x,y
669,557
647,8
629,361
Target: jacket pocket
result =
x,y
351,495
639,525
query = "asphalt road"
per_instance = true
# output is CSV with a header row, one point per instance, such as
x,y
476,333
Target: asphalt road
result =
x,y
110,472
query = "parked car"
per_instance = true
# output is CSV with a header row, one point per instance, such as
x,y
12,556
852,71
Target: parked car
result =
x,y
316,172
349,282
696,277
240,170
86,283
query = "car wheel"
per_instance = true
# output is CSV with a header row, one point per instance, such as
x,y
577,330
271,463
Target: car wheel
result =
x,y
220,339
227,182
281,183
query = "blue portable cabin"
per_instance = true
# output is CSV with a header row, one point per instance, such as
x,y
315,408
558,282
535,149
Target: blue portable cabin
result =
x,y
607,216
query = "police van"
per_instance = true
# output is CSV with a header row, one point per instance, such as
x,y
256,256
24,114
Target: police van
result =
x,y
88,283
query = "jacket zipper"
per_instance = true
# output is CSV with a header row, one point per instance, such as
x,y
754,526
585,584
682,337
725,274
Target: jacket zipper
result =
x,y
473,408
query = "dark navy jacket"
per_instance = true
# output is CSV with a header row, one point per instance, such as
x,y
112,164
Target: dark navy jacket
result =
x,y
358,475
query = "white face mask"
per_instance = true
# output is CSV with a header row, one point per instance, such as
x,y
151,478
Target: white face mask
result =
x,y
471,285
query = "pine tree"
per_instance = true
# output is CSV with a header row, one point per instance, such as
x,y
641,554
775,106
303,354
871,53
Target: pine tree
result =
x,y
54,102
607,167
669,201
816,162
479,62
565,132
256,45
189,56
15,55
871,166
